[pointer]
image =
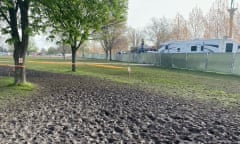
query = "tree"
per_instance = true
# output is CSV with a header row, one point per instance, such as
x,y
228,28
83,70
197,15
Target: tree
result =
x,y
236,27
180,29
42,51
217,20
231,13
196,22
158,31
52,51
121,44
32,47
134,36
16,14
110,36
63,49
77,20
19,24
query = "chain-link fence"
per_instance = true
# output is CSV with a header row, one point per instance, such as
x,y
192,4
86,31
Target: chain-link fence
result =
x,y
216,62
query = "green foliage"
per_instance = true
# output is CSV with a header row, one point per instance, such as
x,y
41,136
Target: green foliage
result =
x,y
63,49
36,19
52,51
22,19
76,20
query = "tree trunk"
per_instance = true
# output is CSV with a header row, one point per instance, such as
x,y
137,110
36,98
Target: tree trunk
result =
x,y
64,56
19,61
110,54
20,42
74,51
64,52
83,54
106,54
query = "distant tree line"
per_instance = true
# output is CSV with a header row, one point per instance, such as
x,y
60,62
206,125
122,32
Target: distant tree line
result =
x,y
214,24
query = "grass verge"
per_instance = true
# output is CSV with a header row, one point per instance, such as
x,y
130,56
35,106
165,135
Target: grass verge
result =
x,y
171,82
10,92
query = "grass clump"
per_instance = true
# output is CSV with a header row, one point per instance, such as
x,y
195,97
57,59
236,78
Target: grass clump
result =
x,y
23,87
11,92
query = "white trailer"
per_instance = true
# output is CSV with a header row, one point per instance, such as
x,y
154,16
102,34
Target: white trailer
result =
x,y
200,46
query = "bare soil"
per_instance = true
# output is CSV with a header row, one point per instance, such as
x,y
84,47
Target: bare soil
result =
x,y
80,109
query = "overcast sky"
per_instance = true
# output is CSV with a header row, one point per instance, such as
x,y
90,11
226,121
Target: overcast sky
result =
x,y
141,11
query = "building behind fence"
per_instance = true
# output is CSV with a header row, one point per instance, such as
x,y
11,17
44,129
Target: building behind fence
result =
x,y
228,63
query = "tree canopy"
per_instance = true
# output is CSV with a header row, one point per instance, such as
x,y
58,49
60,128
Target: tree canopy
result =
x,y
110,37
77,20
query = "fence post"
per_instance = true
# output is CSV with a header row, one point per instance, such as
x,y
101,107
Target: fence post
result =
x,y
133,58
233,62
160,59
206,62
186,58
155,59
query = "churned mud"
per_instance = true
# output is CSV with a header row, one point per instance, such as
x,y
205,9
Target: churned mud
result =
x,y
79,109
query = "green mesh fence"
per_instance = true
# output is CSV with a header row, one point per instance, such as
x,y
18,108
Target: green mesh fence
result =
x,y
215,62
179,61
148,58
166,60
196,62
157,59
220,62
136,58
236,65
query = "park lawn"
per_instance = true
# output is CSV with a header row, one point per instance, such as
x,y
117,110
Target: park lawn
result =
x,y
10,93
171,82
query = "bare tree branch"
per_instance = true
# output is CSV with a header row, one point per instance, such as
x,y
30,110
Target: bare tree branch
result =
x,y
4,16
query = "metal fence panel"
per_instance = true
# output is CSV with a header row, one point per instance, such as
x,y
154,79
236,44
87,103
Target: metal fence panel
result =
x,y
220,62
179,61
196,61
136,58
157,59
236,65
215,62
166,60
101,56
148,58
126,57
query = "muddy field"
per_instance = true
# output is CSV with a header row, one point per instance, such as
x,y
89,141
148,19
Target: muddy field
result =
x,y
76,109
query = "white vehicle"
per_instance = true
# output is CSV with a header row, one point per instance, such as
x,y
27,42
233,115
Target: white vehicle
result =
x,y
200,46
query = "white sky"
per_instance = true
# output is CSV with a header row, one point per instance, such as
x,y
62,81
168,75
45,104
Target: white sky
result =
x,y
141,12
41,42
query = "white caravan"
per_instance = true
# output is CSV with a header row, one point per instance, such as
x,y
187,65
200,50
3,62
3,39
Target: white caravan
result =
x,y
200,46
